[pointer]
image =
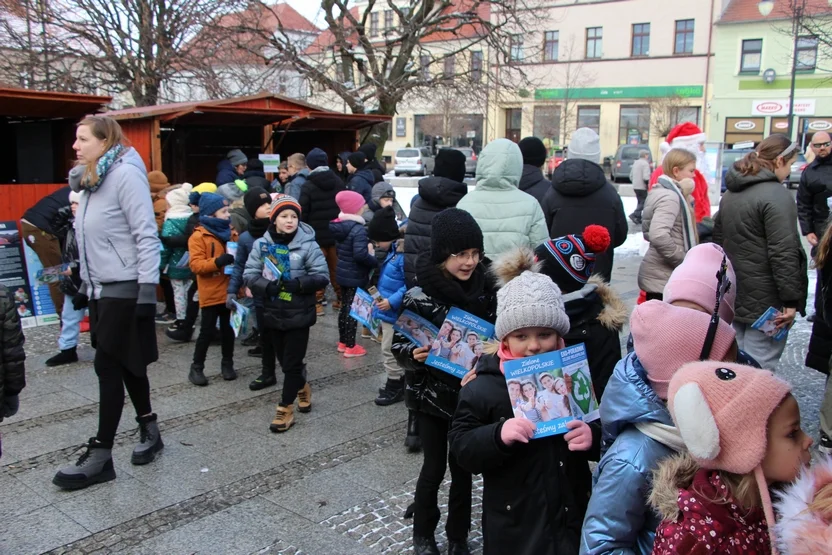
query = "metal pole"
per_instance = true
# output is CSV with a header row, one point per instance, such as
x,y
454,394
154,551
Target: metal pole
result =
x,y
798,12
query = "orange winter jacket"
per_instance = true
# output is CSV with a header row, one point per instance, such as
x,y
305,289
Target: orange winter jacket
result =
x,y
211,281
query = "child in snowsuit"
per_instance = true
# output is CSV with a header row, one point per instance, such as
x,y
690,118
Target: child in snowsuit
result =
x,y
741,427
530,503
176,221
356,258
208,260
384,233
12,370
289,300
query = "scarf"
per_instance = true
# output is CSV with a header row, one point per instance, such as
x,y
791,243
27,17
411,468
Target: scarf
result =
x,y
258,226
467,295
688,226
281,238
219,228
101,168
664,434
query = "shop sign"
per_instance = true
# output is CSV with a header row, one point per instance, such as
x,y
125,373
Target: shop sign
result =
x,y
781,125
820,125
401,127
780,107
745,125
605,93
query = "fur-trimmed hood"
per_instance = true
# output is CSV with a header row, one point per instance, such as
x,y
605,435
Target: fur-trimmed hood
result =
x,y
512,264
673,473
799,531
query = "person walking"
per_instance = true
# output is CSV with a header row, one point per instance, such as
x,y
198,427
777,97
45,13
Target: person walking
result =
x,y
581,195
640,177
508,217
534,156
318,208
298,173
119,254
757,226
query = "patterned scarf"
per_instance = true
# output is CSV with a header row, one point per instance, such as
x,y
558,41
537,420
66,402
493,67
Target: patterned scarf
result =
x,y
101,168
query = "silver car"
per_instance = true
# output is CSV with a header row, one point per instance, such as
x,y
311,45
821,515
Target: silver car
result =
x,y
797,170
413,161
470,158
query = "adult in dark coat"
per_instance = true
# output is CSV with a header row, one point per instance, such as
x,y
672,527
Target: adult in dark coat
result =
x,y
580,195
255,177
442,190
532,180
43,234
820,347
231,168
361,179
377,168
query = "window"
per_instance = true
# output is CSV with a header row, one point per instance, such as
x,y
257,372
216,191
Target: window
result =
x,y
685,114
449,70
476,66
634,125
550,46
547,124
589,116
807,53
641,40
516,48
752,54
374,24
594,39
405,16
514,123
388,20
684,37
424,66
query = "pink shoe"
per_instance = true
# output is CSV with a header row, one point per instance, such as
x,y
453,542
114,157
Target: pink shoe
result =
x,y
341,347
357,351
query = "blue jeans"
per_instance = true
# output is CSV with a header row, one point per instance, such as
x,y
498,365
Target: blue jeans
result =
x,y
70,325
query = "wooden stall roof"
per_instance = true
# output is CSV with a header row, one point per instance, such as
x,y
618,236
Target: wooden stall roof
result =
x,y
24,103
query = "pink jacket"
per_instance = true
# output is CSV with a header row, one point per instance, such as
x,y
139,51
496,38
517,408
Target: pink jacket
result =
x,y
799,531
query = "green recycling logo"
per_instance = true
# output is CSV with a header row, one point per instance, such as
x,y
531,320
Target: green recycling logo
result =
x,y
582,391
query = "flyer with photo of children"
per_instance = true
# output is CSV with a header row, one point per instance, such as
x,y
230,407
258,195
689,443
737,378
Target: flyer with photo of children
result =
x,y
459,343
230,248
239,319
419,331
276,262
552,389
362,311
768,325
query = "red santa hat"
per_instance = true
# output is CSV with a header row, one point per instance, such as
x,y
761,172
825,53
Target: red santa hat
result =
x,y
687,136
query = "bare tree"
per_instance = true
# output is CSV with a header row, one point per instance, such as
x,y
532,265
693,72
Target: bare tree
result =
x,y
575,75
370,57
664,113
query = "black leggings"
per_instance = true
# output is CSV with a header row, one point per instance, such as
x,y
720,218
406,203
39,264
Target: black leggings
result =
x,y
346,325
193,307
113,377
433,432
268,358
210,315
167,289
290,348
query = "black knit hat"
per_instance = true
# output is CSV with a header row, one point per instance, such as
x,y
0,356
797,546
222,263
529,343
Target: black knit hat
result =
x,y
357,160
450,163
254,198
369,150
254,164
534,151
383,226
452,231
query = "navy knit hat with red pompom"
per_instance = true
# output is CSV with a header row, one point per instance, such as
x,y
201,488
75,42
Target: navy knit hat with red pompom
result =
x,y
570,260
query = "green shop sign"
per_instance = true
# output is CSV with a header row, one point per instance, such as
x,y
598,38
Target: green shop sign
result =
x,y
594,93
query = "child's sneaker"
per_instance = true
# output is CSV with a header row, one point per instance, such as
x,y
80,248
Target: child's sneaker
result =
x,y
319,310
283,419
825,444
305,398
341,347
357,351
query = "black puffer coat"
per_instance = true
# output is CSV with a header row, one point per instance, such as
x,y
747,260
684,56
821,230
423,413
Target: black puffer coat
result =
x,y
256,178
42,214
580,195
362,183
757,226
533,182
354,259
435,195
12,356
815,187
820,344
317,203
427,389
534,494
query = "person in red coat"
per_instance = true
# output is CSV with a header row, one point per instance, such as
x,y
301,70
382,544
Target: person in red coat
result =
x,y
690,137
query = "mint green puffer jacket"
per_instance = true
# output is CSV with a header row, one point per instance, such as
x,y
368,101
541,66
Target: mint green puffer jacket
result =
x,y
508,217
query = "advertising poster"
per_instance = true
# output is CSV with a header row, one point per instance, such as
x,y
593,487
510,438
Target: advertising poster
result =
x,y
459,343
41,301
13,273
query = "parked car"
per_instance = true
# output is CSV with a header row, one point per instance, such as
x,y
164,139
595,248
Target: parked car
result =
x,y
797,170
413,161
729,156
554,161
470,158
623,160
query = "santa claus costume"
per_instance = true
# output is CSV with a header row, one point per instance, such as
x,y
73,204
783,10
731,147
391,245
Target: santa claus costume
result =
x,y
689,136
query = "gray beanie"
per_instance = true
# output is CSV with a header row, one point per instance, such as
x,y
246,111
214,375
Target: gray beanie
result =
x,y
586,145
237,157
530,300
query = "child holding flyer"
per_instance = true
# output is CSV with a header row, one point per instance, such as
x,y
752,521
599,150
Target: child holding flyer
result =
x,y
289,300
384,233
531,503
452,275
208,258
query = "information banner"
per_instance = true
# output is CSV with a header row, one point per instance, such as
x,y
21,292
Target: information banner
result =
x,y
13,273
41,301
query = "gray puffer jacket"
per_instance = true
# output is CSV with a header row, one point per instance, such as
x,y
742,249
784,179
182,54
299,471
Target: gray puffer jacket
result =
x,y
757,226
116,231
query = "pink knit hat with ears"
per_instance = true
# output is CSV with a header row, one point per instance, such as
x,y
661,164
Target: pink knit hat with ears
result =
x,y
694,280
665,337
722,412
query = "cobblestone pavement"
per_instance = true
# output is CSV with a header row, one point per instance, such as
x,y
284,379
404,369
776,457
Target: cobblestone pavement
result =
x,y
337,483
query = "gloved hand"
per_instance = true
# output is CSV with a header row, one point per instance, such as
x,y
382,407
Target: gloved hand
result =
x,y
80,301
165,240
229,301
9,406
273,288
291,285
224,260
145,311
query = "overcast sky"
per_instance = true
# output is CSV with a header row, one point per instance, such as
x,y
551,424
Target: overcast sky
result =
x,y
311,9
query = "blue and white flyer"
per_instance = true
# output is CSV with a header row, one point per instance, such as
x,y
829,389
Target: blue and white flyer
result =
x,y
552,389
362,311
419,331
767,323
458,345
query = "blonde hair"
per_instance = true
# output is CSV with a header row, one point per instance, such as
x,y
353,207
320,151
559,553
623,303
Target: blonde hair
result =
x,y
676,158
104,129
822,503
297,160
